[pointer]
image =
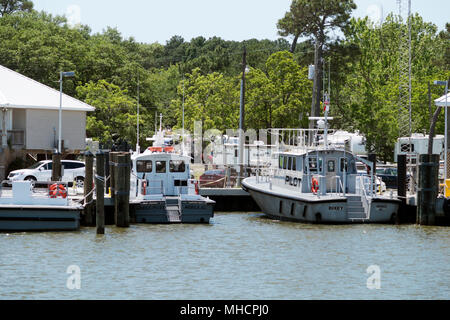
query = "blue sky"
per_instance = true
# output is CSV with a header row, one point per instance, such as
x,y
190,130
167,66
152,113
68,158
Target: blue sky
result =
x,y
158,20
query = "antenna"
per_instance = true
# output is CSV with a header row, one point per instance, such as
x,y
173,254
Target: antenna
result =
x,y
138,148
404,64
182,139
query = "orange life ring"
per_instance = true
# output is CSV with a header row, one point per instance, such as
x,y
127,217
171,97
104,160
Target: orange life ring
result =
x,y
144,188
57,191
314,185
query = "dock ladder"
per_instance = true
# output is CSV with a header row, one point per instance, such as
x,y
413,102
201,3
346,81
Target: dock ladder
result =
x,y
173,209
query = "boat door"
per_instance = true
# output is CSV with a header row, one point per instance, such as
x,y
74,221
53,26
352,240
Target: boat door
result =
x,y
331,173
161,174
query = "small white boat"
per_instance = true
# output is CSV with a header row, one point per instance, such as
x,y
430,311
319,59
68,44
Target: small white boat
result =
x,y
25,209
161,188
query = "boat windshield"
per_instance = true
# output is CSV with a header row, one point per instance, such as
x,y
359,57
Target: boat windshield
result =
x,y
36,165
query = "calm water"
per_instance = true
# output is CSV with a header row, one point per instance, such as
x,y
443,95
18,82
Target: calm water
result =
x,y
237,256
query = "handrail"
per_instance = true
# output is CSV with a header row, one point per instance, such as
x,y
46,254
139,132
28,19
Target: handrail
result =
x,y
364,196
338,179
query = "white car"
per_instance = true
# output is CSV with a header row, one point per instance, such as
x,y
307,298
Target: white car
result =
x,y
42,171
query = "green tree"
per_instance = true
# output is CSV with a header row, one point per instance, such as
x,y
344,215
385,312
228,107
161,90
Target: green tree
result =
x,y
212,99
115,112
11,6
369,100
315,18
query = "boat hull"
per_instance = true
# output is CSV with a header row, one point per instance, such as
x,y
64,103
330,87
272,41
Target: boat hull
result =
x,y
20,219
155,212
327,211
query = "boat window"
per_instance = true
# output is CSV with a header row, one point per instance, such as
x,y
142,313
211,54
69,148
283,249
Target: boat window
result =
x,y
313,164
299,162
177,166
161,167
331,167
144,166
285,160
289,163
344,164
294,164
280,162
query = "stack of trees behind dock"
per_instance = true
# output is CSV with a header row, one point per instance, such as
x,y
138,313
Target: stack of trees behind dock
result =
x,y
363,63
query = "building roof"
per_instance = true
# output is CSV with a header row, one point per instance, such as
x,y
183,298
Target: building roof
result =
x,y
440,102
20,92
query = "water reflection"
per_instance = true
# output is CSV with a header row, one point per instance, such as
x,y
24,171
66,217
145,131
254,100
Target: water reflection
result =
x,y
237,256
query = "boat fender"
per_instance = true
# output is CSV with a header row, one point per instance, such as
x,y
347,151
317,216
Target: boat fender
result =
x,y
144,188
197,191
314,185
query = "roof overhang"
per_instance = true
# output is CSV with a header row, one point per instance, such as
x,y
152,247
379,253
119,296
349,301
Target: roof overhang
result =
x,y
10,106
443,101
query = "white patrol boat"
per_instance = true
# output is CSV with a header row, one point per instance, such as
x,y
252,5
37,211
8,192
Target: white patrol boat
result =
x,y
162,190
321,185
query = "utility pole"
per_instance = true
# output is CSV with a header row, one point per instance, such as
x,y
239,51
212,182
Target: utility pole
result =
x,y
404,65
138,148
242,117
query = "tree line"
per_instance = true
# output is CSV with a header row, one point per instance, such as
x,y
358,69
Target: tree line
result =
x,y
361,67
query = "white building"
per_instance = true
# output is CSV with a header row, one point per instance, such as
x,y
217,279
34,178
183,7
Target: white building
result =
x,y
29,118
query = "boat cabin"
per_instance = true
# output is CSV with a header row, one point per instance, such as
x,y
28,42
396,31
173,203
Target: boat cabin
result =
x,y
331,167
165,173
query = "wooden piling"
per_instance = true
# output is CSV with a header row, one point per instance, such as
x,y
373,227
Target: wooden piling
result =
x,y
427,190
122,190
107,171
88,186
401,185
100,192
56,167
112,173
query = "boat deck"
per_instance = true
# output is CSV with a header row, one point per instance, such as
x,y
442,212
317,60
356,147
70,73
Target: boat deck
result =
x,y
279,191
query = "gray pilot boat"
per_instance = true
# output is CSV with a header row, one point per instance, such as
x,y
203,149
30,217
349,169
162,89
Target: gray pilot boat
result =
x,y
321,184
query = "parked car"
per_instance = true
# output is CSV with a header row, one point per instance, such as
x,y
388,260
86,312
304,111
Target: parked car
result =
x,y
42,171
389,176
217,178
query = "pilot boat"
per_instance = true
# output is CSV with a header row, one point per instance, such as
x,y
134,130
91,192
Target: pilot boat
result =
x,y
320,184
162,190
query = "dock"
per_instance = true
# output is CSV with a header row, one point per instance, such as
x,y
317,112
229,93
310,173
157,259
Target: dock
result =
x,y
227,200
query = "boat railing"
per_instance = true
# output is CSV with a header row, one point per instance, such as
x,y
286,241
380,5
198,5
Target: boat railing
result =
x,y
339,186
363,184
264,175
